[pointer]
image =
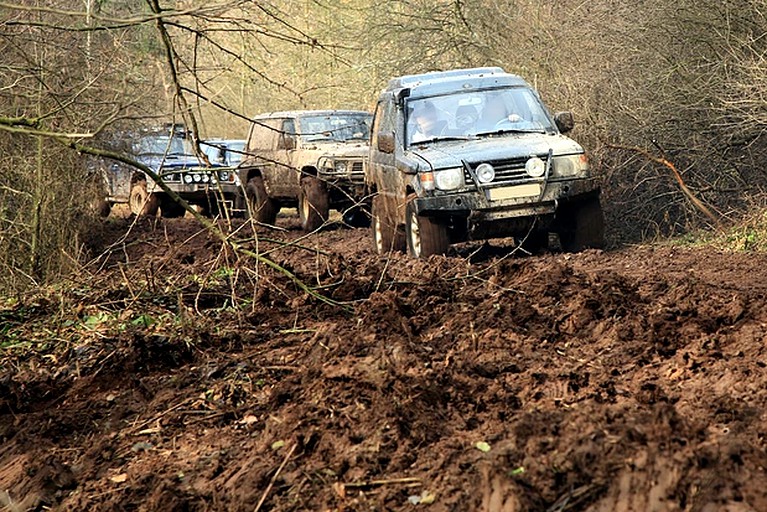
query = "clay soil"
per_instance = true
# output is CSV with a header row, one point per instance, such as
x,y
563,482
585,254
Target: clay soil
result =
x,y
173,374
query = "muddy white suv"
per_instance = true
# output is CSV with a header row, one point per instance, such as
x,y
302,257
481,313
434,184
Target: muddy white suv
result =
x,y
313,159
474,154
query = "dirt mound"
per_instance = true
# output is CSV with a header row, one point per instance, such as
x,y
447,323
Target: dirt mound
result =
x,y
182,377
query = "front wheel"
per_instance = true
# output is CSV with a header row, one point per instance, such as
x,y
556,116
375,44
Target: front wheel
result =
x,y
262,208
142,203
313,203
386,236
424,236
581,225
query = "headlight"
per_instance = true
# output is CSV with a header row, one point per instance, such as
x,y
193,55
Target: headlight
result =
x,y
187,178
205,178
485,173
223,175
197,178
341,167
535,167
449,179
571,165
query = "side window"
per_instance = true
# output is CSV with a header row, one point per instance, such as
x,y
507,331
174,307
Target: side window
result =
x,y
287,136
261,136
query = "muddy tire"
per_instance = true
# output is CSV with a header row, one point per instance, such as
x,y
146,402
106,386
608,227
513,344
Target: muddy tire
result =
x,y
357,217
424,236
581,225
141,202
103,208
262,208
313,203
386,236
535,241
170,209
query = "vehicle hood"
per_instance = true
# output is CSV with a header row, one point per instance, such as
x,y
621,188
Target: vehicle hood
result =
x,y
441,155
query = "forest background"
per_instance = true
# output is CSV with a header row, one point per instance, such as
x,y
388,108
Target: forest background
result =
x,y
649,82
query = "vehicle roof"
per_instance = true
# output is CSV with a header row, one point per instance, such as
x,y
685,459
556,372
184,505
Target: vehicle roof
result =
x,y
301,113
437,82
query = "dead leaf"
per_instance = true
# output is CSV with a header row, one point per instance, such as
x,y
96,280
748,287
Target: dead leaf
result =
x,y
482,446
119,479
249,420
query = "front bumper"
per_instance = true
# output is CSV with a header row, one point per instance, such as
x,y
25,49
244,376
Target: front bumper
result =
x,y
345,190
492,204
195,189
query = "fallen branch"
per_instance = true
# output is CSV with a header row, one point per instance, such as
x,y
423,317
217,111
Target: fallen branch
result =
x,y
410,481
697,203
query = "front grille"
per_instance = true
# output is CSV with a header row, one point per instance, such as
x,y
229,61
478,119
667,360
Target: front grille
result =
x,y
506,171
358,168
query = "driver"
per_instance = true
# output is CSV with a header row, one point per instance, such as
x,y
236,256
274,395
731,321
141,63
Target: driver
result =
x,y
496,113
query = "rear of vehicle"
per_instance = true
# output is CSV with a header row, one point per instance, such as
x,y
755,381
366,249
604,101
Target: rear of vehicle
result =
x,y
474,154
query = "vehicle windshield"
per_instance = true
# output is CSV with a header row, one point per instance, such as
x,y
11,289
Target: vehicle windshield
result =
x,y
335,127
472,113
160,145
235,150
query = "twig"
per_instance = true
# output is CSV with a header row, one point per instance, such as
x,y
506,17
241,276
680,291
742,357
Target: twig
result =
x,y
411,481
274,477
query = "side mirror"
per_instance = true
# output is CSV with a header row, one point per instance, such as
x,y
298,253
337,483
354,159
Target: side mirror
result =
x,y
565,121
386,142
286,141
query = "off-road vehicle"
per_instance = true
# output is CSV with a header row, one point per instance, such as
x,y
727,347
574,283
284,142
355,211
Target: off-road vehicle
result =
x,y
474,154
314,160
207,185
167,151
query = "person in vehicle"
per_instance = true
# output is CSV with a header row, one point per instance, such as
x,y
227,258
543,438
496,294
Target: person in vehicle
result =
x,y
427,122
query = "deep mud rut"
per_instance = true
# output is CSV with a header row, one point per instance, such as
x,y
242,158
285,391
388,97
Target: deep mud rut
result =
x,y
631,380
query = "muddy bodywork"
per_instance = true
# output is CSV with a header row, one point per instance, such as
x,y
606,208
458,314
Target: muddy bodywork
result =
x,y
506,178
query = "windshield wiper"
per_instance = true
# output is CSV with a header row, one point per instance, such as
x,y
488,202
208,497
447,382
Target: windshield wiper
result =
x,y
446,137
511,130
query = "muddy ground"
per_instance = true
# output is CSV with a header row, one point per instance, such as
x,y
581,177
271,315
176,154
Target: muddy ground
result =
x,y
174,375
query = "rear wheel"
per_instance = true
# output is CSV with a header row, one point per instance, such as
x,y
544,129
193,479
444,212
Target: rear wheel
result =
x,y
535,241
581,225
262,207
386,236
171,209
424,236
141,202
103,208
313,203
